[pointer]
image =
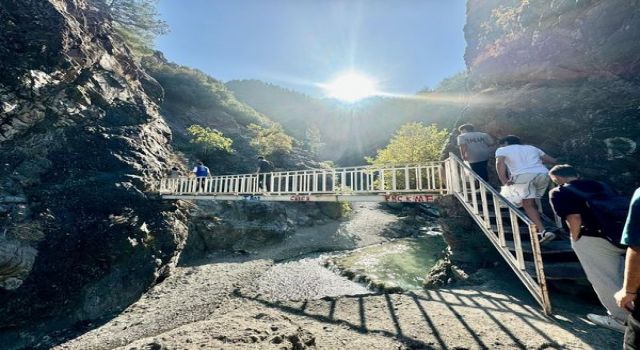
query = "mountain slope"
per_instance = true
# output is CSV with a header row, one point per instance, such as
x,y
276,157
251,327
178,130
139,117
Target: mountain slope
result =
x,y
348,131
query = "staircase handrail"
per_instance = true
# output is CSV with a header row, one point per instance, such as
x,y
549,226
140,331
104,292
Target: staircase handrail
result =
x,y
536,286
503,200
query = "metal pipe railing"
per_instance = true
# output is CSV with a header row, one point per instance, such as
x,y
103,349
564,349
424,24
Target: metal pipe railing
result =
x,y
461,181
360,179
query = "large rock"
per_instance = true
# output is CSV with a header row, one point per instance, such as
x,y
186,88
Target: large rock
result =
x,y
81,144
563,75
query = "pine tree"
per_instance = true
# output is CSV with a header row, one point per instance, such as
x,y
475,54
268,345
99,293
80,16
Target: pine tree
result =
x,y
137,21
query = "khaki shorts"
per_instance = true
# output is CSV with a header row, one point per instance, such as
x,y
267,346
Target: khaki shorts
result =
x,y
527,186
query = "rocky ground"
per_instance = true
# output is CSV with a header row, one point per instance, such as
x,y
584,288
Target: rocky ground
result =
x,y
251,302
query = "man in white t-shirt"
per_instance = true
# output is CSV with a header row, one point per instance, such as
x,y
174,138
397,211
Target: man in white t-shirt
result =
x,y
527,176
475,148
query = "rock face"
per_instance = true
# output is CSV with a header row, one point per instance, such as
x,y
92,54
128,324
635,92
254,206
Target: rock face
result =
x,y
563,75
81,143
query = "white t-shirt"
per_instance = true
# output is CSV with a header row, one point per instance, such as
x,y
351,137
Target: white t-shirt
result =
x,y
522,159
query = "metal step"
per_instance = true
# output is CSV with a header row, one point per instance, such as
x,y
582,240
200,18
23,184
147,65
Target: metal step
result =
x,y
557,250
559,270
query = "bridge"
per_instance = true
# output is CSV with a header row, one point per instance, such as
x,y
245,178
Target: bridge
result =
x,y
511,232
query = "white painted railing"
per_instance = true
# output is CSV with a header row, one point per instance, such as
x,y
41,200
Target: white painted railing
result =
x,y
353,180
484,203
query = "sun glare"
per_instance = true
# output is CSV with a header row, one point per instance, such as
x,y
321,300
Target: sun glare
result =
x,y
351,87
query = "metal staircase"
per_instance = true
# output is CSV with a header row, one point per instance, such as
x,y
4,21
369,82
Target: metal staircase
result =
x,y
507,227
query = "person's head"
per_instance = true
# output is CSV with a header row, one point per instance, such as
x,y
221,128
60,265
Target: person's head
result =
x,y
260,158
563,173
510,140
200,162
466,128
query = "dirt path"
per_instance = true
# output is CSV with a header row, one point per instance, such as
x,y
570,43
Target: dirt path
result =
x,y
254,304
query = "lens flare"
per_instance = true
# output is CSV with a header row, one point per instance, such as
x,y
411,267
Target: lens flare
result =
x,y
350,87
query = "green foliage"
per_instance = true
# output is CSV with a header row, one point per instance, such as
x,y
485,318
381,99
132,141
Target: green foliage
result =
x,y
270,140
187,88
412,143
456,83
209,139
137,21
313,139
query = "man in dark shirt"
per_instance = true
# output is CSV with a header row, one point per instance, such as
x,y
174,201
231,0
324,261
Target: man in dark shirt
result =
x,y
601,260
262,170
627,297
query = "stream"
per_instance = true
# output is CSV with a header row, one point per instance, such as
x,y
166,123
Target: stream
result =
x,y
372,262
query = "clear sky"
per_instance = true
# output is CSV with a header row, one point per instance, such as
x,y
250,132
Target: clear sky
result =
x,y
405,45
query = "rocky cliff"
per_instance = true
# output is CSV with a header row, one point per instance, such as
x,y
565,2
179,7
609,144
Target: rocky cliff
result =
x,y
81,144
563,75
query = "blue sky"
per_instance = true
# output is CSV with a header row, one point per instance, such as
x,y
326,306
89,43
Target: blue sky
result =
x,y
405,45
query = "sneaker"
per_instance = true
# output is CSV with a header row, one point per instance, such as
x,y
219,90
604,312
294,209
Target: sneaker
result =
x,y
607,321
546,237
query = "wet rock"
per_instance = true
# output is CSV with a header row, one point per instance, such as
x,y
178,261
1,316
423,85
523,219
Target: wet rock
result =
x,y
469,247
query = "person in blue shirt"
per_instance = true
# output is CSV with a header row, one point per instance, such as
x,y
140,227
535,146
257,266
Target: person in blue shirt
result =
x,y
627,297
201,171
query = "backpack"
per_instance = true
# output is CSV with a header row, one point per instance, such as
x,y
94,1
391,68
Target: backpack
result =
x,y
609,209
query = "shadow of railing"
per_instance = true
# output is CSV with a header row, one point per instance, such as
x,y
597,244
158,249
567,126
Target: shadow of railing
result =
x,y
365,320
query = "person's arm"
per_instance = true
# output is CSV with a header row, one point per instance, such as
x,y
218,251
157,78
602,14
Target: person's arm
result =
x,y
490,140
501,169
628,293
574,221
548,159
463,151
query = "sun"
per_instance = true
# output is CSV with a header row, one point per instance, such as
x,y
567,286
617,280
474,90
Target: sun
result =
x,y
351,87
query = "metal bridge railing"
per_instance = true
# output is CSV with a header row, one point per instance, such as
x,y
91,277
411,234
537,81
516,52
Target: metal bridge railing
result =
x,y
410,178
484,203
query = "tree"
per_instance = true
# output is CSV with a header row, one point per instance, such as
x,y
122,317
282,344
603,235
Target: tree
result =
x,y
209,139
412,143
137,21
270,140
313,139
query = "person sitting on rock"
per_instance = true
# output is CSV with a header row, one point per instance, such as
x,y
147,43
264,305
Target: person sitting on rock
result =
x,y
601,260
528,177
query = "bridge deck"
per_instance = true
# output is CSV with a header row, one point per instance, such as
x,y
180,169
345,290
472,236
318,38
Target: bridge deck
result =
x,y
300,197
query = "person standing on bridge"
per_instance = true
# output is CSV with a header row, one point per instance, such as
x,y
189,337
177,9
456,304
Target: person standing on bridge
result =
x,y
201,172
528,177
627,297
475,148
264,167
601,260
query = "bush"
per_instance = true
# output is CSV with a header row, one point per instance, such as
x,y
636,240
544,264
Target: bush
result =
x,y
270,140
412,143
209,139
